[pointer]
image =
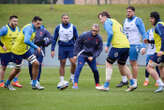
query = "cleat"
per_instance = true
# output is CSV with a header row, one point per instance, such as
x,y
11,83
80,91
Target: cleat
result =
x,y
10,87
16,84
2,84
121,84
37,87
131,88
75,86
102,88
146,83
105,87
98,86
62,85
160,89
156,85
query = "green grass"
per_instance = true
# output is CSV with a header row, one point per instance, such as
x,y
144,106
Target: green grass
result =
x,y
85,98
82,16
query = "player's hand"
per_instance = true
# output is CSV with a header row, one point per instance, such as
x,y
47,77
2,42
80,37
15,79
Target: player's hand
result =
x,y
75,57
106,49
143,51
52,54
90,58
160,53
146,41
4,48
39,50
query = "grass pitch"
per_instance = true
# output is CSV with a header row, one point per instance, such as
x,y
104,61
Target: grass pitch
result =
x,y
85,98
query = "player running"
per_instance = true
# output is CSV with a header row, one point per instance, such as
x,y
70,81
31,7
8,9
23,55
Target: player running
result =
x,y
21,50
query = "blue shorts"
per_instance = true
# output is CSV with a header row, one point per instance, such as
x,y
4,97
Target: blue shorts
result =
x,y
65,52
157,59
17,59
5,58
119,54
134,51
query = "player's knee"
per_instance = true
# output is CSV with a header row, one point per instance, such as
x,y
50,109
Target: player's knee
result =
x,y
17,68
36,63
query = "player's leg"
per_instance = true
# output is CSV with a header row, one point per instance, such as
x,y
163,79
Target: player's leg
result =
x,y
73,67
80,64
133,56
16,82
146,82
2,74
62,69
92,65
62,56
112,57
30,71
124,53
35,68
153,62
40,60
73,64
17,60
4,62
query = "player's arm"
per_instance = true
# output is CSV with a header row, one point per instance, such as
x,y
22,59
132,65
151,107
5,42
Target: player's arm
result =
x,y
99,48
75,33
78,44
54,40
108,29
48,38
141,28
27,36
3,32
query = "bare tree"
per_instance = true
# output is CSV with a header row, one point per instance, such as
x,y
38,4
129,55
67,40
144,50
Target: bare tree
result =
x,y
129,2
106,1
110,1
51,5
98,2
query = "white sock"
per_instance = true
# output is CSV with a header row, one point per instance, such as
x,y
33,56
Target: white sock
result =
x,y
146,79
61,78
135,82
108,74
72,76
124,79
159,82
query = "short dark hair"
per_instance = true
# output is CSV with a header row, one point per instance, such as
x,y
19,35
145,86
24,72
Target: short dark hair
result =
x,y
13,16
64,15
104,13
36,18
131,8
155,15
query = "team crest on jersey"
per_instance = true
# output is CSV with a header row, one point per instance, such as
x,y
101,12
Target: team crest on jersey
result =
x,y
116,54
